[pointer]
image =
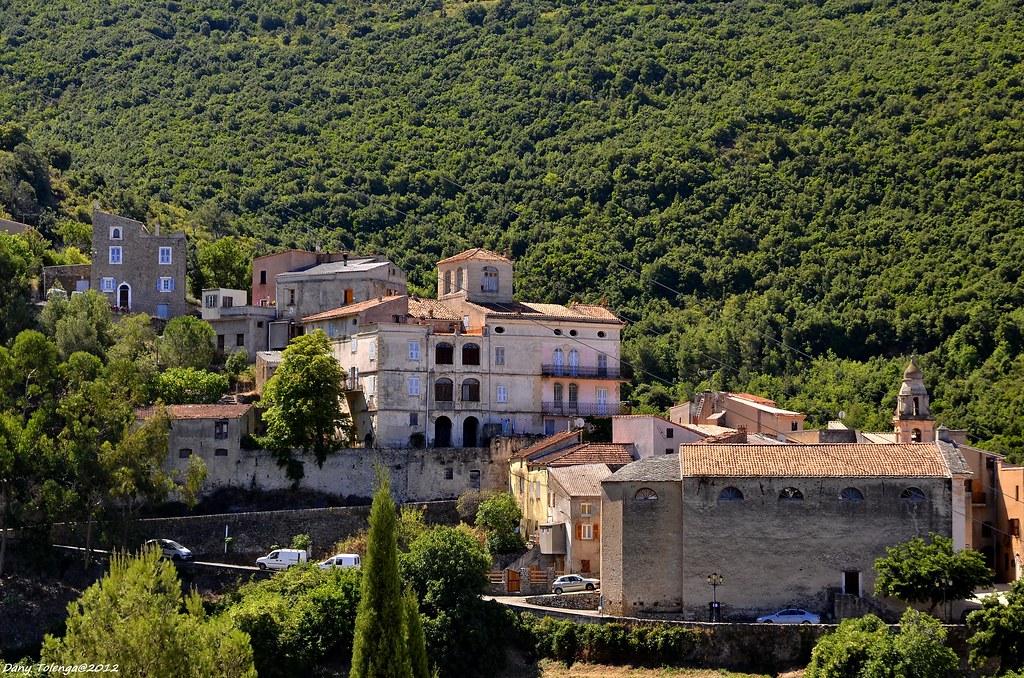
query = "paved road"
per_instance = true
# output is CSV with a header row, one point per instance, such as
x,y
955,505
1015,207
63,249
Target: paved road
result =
x,y
520,603
202,563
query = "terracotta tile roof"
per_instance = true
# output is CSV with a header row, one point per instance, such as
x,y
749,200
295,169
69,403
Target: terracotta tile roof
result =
x,y
650,470
215,411
613,454
536,311
855,460
551,442
753,398
432,308
350,309
709,429
583,480
476,253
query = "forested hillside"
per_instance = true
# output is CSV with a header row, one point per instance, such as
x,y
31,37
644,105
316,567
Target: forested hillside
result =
x,y
784,197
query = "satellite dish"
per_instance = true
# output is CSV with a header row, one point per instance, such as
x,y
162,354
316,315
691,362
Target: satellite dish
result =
x,y
842,414
578,423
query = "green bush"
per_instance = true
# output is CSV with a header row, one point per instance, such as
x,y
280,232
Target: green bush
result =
x,y
298,618
609,643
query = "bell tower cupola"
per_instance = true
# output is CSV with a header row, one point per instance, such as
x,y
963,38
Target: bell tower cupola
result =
x,y
913,421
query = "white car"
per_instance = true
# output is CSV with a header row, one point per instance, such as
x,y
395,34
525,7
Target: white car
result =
x,y
791,615
342,560
281,559
574,582
170,549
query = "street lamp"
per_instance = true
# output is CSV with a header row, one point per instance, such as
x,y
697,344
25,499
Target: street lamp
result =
x,y
947,583
715,580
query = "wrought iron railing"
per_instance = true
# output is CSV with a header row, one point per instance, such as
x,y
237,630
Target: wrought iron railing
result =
x,y
579,409
582,372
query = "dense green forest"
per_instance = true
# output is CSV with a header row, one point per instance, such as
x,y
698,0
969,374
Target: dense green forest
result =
x,y
784,197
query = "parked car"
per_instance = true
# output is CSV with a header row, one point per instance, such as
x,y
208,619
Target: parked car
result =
x,y
574,582
341,560
281,559
170,549
791,615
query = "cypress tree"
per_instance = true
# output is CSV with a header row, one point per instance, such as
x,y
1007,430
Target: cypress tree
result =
x,y
379,648
415,640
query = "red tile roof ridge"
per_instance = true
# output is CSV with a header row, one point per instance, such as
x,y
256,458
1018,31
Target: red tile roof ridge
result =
x,y
349,309
475,253
199,411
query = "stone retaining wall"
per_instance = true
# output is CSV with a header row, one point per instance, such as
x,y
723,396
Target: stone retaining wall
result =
x,y
255,532
588,600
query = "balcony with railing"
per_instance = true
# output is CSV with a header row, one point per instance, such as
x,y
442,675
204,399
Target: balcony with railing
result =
x,y
623,373
567,408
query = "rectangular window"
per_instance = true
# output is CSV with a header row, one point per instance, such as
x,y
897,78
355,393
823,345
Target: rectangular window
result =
x,y
792,426
165,285
240,339
163,311
355,344
220,452
474,479
502,393
602,365
228,302
670,433
449,473
115,255
551,498
373,351
414,419
521,484
414,386
332,330
586,532
107,284
220,342
586,509
210,301
220,430
372,385
165,255
291,297
499,355
414,350
263,277
1014,527
348,296
184,453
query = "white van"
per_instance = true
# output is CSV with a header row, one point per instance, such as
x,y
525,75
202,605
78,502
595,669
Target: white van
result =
x,y
341,560
281,559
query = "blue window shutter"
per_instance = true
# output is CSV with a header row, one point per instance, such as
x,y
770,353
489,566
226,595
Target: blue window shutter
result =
x,y
172,284
158,284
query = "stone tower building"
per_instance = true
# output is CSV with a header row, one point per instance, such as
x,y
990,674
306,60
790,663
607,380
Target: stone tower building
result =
x,y
913,421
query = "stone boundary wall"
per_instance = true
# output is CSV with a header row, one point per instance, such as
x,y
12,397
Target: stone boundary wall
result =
x,y
755,648
426,474
587,600
253,533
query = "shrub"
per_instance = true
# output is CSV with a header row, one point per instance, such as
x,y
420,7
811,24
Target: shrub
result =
x,y
297,618
609,643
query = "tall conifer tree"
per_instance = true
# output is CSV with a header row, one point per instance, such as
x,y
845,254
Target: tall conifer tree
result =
x,y
379,648
415,639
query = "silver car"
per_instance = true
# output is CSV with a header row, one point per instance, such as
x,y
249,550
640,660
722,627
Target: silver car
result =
x,y
170,549
791,615
574,582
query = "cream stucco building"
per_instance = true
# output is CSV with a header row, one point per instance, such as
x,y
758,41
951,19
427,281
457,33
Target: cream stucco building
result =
x,y
454,371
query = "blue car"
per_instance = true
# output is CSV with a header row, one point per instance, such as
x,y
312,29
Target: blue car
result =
x,y
791,615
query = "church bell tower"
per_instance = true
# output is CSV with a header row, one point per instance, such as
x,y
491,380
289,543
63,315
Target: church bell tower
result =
x,y
913,421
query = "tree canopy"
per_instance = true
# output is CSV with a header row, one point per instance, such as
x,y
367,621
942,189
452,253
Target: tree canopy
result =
x,y
136,617
303,401
920,571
